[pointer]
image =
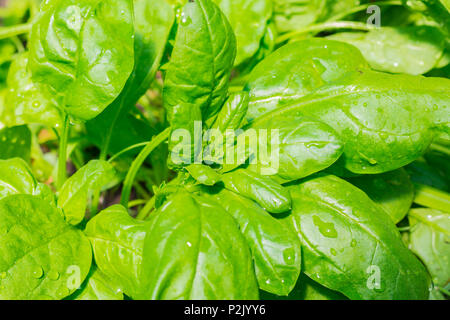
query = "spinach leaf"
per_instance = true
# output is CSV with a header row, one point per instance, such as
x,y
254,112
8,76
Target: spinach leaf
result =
x,y
41,256
183,243
293,14
83,50
196,80
28,102
270,195
15,142
118,241
248,18
275,248
297,69
430,240
97,287
412,49
73,196
153,22
336,222
393,191
384,127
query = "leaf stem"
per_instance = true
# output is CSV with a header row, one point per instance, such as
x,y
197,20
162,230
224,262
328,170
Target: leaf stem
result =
x,y
135,146
62,159
432,198
330,25
137,163
363,7
12,31
145,212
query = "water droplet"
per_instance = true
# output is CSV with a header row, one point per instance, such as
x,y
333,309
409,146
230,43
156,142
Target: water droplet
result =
x,y
38,272
325,228
353,243
333,251
289,255
53,275
189,244
185,20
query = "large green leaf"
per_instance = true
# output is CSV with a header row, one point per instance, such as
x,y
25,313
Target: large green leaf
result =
x,y
73,196
430,240
114,129
270,195
41,256
83,50
352,246
384,127
412,49
297,69
118,242
197,252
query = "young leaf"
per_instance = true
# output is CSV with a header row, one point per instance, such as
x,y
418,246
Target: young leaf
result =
x,y
73,196
412,49
41,256
83,50
270,195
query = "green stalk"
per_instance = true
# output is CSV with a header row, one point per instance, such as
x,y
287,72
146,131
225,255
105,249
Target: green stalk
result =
x,y
137,163
330,25
145,212
134,146
62,160
363,7
432,198
13,31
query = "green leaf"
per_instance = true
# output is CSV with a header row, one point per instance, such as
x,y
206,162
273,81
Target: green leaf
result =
x,y
114,129
307,289
97,287
393,191
297,69
118,242
27,102
41,256
197,75
73,196
275,248
15,142
203,174
305,146
384,127
412,49
270,195
16,178
294,14
232,112
430,241
248,18
83,50
352,246
197,252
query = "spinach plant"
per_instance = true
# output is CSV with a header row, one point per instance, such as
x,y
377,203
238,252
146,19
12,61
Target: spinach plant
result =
x,y
222,149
